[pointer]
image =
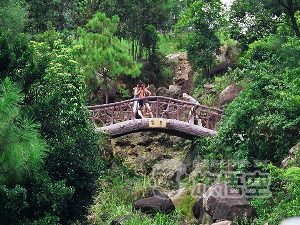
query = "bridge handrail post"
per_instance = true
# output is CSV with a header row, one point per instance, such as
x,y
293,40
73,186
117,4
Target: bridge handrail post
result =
x,y
157,107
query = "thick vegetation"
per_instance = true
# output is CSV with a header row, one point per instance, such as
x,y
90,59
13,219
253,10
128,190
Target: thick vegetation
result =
x,y
58,56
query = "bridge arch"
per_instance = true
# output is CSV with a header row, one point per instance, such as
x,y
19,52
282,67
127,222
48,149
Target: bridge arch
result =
x,y
171,116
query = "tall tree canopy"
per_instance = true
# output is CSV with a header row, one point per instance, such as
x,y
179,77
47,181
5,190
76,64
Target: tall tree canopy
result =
x,y
201,20
135,15
103,53
13,15
252,19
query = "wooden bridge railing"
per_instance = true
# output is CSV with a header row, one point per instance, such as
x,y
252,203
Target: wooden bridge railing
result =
x,y
161,107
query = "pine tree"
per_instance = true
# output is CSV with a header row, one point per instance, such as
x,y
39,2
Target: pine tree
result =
x,y
21,147
103,53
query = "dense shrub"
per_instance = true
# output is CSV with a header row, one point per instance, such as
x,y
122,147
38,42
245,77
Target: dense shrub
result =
x,y
63,189
285,201
263,122
59,106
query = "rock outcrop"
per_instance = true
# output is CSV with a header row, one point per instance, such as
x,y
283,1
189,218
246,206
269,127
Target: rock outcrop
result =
x,y
290,157
141,151
229,94
155,204
168,173
223,202
183,72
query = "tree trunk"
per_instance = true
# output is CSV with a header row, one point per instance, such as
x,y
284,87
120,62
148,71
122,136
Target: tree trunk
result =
x,y
175,21
105,87
294,22
132,48
141,45
136,51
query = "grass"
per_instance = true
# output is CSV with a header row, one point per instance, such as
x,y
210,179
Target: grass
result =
x,y
167,44
185,206
117,192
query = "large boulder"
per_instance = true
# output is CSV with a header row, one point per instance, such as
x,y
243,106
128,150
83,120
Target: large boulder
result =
x,y
154,204
183,66
162,91
219,69
291,221
168,173
200,214
175,91
290,157
223,202
198,190
229,94
152,89
198,208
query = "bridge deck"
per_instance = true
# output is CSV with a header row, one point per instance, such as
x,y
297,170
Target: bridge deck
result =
x,y
170,116
170,126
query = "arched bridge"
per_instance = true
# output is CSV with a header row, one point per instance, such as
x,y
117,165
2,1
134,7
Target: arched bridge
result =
x,y
170,115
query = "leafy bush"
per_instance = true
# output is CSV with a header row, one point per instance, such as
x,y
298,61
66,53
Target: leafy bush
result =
x,y
59,106
13,204
35,198
20,62
263,122
285,201
118,189
54,95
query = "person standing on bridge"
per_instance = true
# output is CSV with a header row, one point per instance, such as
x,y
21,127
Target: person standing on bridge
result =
x,y
137,92
192,113
146,93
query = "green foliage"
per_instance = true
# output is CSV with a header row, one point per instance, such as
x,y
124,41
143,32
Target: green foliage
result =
x,y
48,200
59,106
54,88
20,62
14,204
203,59
151,39
167,44
203,18
124,93
264,49
259,18
262,123
118,189
259,23
185,206
103,55
37,201
13,15
63,14
285,200
136,15
210,100
22,149
157,71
